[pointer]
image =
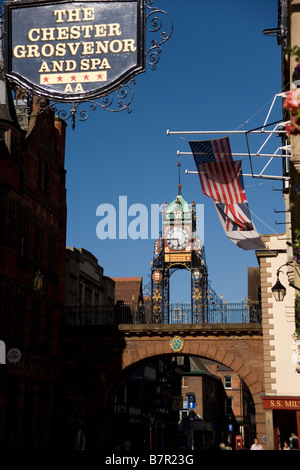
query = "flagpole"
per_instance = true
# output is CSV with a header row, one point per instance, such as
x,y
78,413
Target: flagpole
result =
x,y
287,178
239,154
225,132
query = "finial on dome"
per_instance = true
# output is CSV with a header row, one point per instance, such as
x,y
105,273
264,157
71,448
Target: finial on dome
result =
x,y
179,185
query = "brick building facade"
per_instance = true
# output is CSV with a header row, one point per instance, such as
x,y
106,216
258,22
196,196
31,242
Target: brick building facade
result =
x,y
32,270
224,408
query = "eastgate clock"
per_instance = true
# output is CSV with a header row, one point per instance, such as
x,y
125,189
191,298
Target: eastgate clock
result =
x,y
178,251
177,238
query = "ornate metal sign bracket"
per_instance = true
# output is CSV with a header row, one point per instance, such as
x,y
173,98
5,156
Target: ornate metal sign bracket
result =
x,y
114,98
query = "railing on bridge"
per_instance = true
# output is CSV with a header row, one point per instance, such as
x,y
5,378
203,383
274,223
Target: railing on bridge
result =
x,y
243,311
218,312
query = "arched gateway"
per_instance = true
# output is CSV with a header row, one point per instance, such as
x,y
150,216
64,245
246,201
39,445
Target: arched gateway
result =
x,y
238,346
99,355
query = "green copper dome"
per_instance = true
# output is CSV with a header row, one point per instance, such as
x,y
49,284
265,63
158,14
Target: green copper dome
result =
x,y
178,209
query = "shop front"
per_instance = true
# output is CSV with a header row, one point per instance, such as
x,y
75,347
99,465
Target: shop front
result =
x,y
283,415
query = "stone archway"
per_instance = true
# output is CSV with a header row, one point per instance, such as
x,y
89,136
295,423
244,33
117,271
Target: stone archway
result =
x,y
239,347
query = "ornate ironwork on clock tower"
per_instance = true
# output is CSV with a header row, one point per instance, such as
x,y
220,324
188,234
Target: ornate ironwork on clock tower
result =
x,y
179,248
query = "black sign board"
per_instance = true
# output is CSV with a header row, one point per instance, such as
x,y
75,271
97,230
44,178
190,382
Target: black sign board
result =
x,y
74,50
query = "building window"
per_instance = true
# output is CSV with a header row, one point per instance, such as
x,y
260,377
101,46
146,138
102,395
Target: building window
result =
x,y
24,235
15,147
7,308
52,252
13,213
38,245
43,173
46,178
185,381
227,381
88,296
228,406
9,210
4,152
46,334
20,319
34,324
40,172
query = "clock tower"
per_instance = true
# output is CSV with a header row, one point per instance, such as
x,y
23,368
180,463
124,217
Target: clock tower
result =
x,y
178,248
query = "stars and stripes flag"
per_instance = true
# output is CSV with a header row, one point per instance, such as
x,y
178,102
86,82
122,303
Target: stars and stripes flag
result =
x,y
222,179
218,173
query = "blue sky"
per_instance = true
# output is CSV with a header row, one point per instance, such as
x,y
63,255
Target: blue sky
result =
x,y
216,72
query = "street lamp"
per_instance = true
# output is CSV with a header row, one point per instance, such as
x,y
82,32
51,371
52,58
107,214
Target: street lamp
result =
x,y
278,289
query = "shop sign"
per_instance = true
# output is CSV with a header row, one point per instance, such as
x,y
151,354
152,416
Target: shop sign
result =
x,y
74,50
282,403
14,355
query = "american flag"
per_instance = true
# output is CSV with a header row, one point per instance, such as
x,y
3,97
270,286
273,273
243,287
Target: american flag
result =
x,y
221,177
211,150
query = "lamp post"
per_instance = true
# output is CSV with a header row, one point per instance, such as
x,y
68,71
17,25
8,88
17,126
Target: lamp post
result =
x,y
278,289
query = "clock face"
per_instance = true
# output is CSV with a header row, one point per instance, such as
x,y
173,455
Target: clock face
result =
x,y
177,238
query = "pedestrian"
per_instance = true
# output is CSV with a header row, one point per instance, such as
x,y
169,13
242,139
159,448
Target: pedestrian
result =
x,y
286,446
256,445
127,445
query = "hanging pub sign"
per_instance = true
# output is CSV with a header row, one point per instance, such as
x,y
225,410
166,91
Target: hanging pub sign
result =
x,y
74,50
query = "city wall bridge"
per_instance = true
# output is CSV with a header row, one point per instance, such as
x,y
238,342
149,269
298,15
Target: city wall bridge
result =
x,y
101,344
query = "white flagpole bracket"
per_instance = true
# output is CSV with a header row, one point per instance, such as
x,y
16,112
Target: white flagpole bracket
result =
x,y
270,177
279,129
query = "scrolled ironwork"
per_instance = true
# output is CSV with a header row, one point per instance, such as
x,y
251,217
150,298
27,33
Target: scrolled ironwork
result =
x,y
154,23
75,110
120,101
